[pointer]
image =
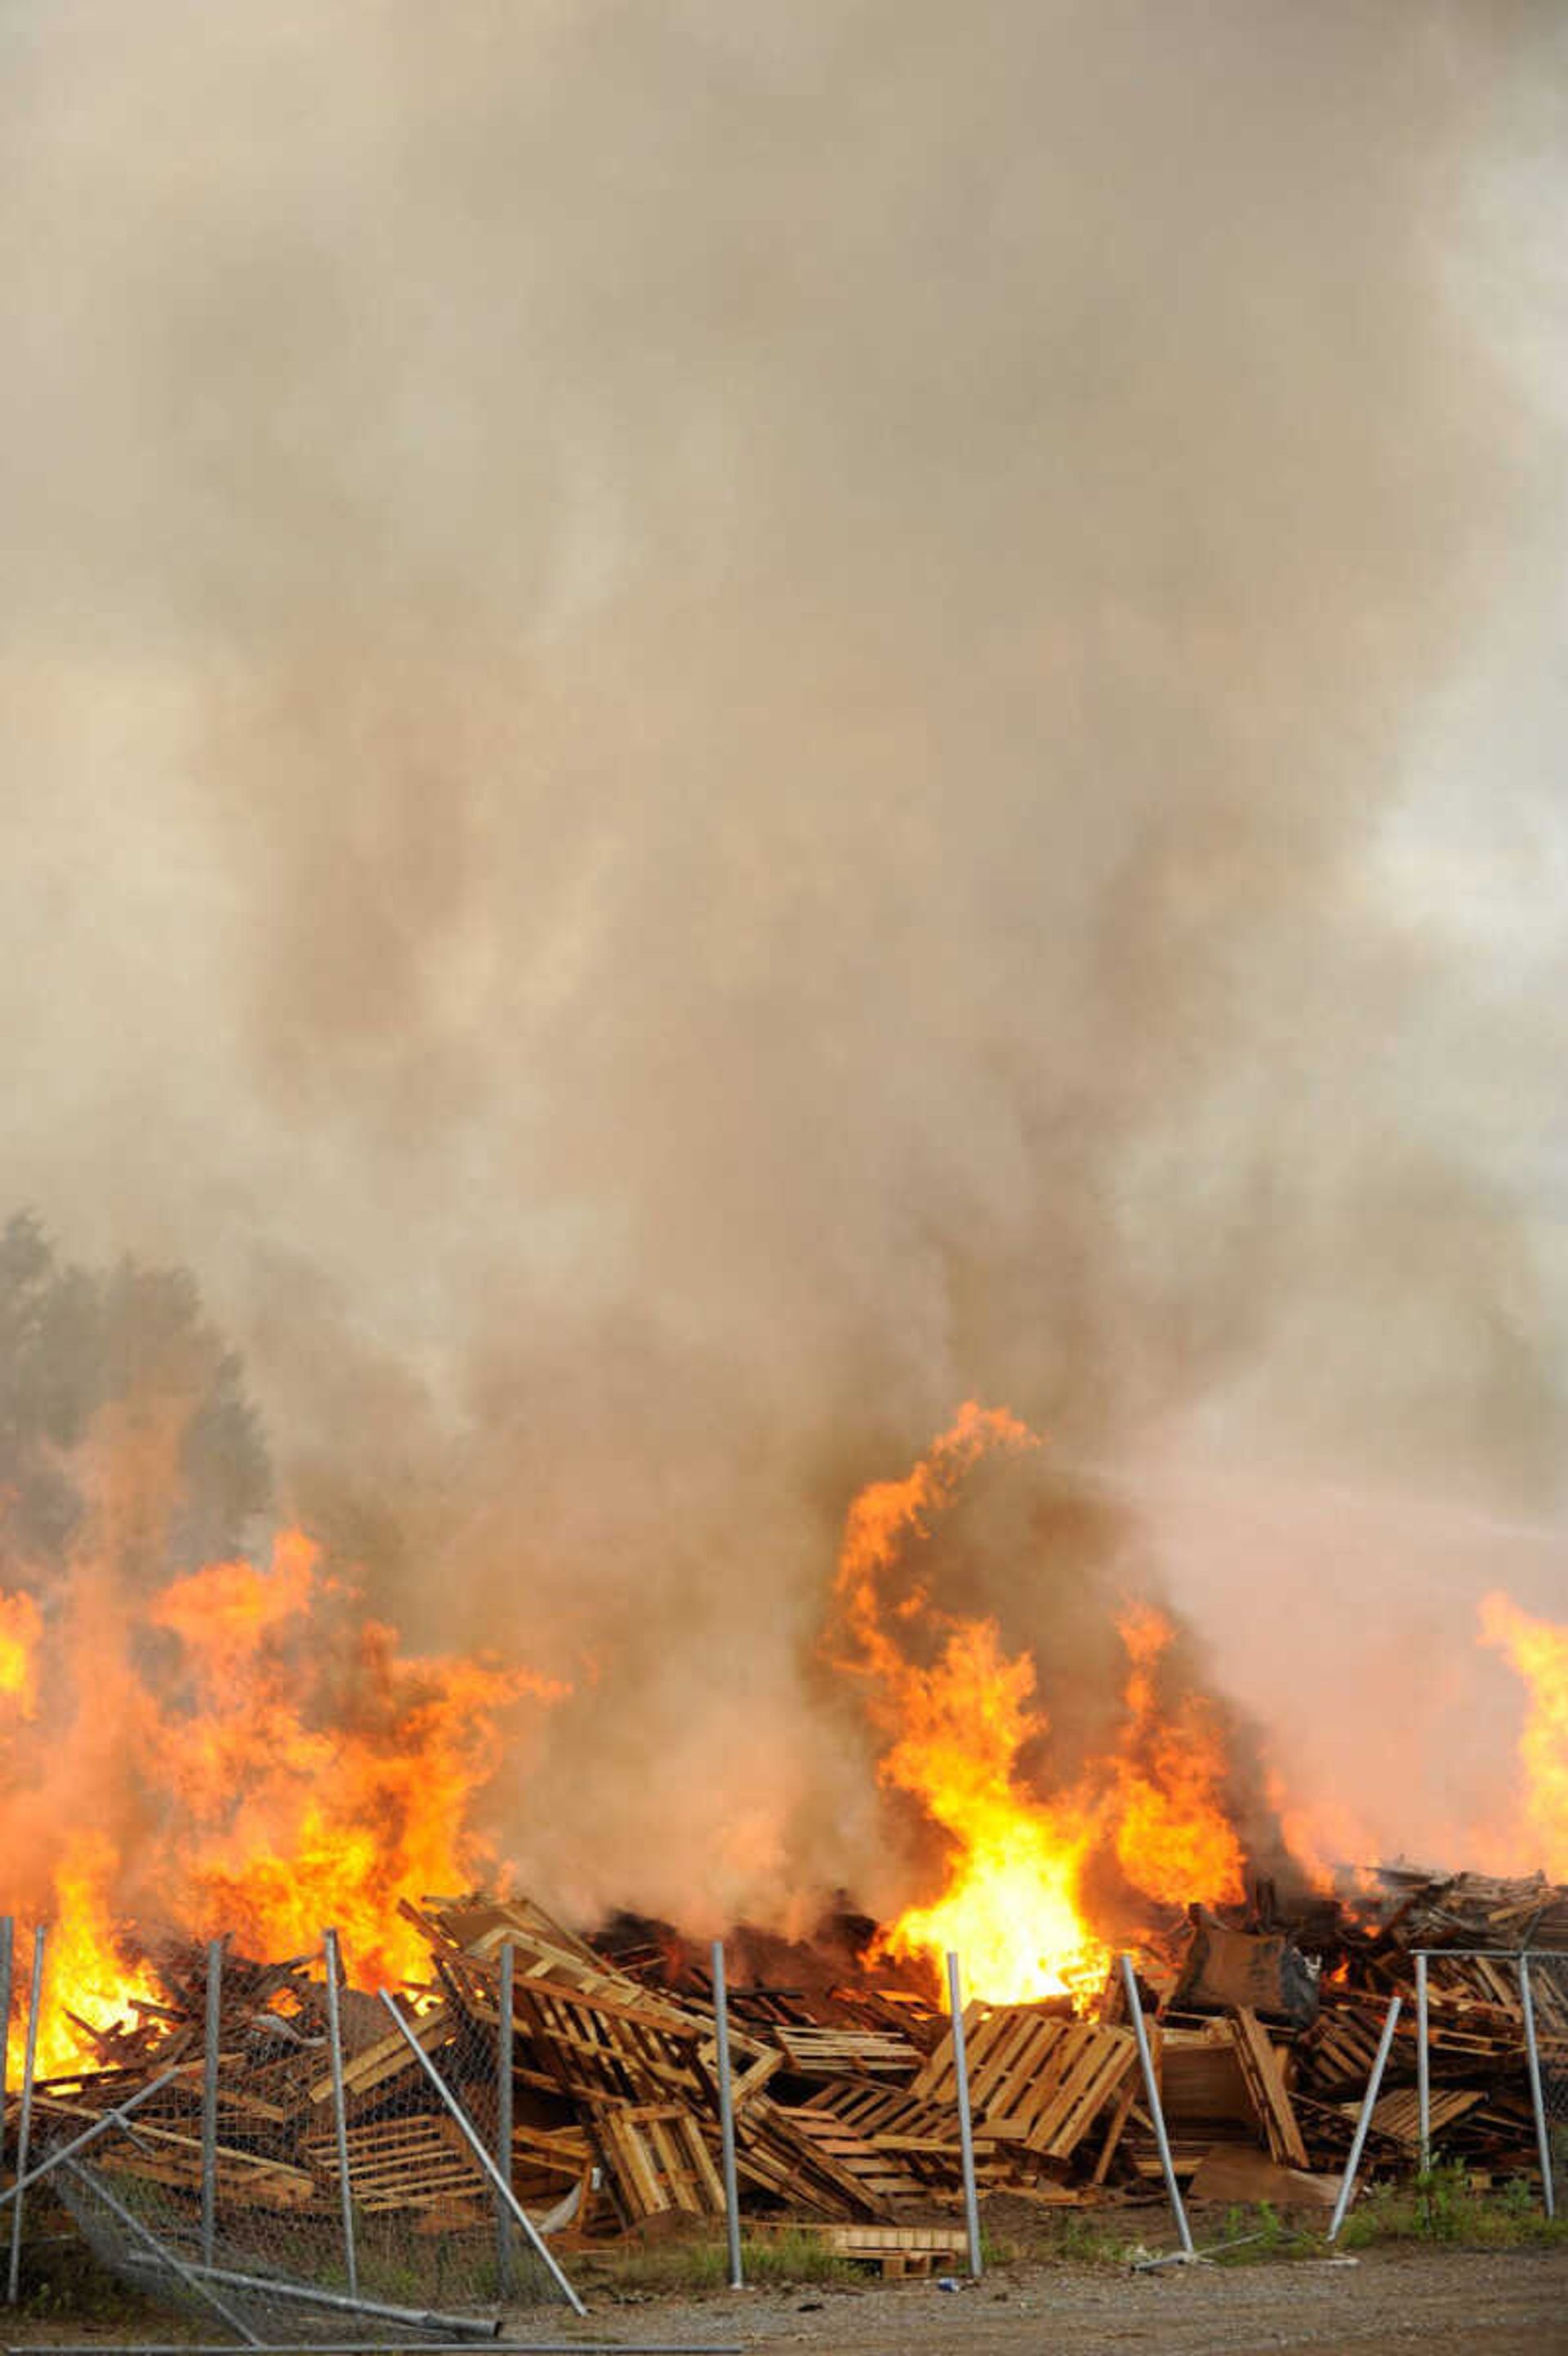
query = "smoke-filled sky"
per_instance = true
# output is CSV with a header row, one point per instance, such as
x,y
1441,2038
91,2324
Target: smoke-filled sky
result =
x,y
722,722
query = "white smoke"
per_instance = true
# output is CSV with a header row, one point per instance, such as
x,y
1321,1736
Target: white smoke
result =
x,y
724,724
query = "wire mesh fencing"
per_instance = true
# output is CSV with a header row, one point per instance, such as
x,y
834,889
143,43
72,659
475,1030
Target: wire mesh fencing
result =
x,y
299,2168
1547,1984
1498,2022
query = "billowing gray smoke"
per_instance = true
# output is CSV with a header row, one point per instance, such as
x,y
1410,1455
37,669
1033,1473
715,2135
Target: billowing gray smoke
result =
x,y
725,721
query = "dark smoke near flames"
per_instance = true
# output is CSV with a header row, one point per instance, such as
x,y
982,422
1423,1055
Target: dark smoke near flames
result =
x,y
725,724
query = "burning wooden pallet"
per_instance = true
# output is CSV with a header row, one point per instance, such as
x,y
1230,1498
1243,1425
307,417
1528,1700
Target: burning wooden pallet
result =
x,y
848,2118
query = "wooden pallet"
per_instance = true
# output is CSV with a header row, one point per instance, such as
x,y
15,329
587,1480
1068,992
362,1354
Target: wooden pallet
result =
x,y
885,2173
838,2053
780,2150
245,2179
1398,2116
398,2163
657,2161
610,2041
1035,2078
1264,2073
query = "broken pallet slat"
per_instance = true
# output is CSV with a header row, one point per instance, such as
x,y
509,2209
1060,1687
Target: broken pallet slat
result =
x,y
1265,2076
884,2172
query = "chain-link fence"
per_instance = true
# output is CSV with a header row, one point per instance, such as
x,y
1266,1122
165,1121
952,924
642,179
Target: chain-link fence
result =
x,y
1546,1980
294,2161
1471,2003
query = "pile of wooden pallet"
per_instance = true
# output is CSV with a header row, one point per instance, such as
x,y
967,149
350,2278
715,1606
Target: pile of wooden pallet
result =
x,y
845,2097
1480,2109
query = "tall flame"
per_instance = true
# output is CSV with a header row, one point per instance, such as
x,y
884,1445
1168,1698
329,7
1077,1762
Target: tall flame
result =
x,y
956,1712
1174,1840
242,1753
954,1726
21,1625
90,1967
1538,1650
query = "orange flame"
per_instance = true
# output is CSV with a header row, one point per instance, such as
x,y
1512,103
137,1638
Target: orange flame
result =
x,y
21,1625
311,1798
90,1968
956,1712
1174,1840
253,1758
956,1728
1538,1650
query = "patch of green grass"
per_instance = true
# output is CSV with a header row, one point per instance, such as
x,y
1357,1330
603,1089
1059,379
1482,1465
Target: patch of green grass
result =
x,y
1089,2237
1258,2234
1440,2204
795,2257
692,2266
60,2279
998,2249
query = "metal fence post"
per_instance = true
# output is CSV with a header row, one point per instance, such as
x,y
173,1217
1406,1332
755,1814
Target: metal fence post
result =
x,y
25,2125
1156,2108
340,2114
966,2124
486,2164
727,2117
505,2090
1537,2103
1422,2071
102,2125
209,2101
1368,2103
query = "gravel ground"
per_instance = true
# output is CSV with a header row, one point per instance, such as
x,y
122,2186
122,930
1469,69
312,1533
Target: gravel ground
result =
x,y
1502,2303
1497,2302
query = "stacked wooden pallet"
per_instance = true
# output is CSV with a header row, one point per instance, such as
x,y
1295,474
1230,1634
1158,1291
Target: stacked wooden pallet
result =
x,y
846,2098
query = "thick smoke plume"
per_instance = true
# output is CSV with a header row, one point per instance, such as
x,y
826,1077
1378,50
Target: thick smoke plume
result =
x,y
726,722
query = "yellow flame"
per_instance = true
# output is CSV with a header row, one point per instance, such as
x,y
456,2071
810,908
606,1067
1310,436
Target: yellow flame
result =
x,y
1538,1650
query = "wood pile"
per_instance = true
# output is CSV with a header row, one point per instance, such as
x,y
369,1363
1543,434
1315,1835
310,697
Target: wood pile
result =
x,y
845,2097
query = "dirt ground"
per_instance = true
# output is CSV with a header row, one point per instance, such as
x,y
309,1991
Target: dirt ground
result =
x,y
1502,2303
1511,2302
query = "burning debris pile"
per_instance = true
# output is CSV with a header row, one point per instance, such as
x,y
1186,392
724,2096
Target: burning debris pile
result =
x,y
844,2091
237,1748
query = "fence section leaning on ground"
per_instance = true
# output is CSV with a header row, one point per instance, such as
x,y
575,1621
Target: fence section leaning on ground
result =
x,y
289,2170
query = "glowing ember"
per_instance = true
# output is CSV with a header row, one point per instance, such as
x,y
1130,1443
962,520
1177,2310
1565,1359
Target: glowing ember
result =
x,y
1538,1650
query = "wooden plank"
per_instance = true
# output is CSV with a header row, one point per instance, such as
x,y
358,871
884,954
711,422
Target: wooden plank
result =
x,y
376,2064
1264,2075
885,2174
1094,2076
1117,2127
659,2162
838,2052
